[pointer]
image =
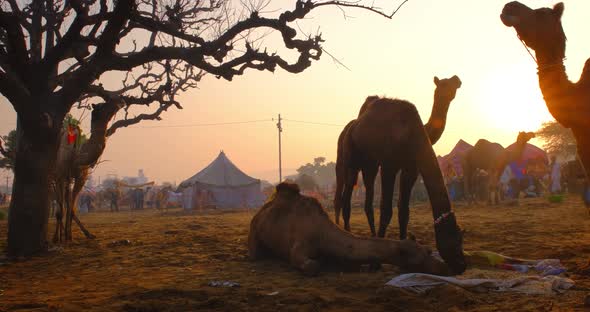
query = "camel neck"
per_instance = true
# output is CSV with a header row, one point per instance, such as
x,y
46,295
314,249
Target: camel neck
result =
x,y
559,93
438,119
344,245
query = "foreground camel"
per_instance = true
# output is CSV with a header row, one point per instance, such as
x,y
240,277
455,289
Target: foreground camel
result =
x,y
444,93
568,102
390,133
492,158
296,227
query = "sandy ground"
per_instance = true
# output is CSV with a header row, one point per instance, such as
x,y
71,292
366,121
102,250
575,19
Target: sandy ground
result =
x,y
172,257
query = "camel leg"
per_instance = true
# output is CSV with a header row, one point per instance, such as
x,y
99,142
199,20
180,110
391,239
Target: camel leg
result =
x,y
583,141
407,179
369,174
340,176
82,227
388,174
299,257
351,179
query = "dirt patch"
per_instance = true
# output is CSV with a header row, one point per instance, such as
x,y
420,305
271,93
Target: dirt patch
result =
x,y
170,260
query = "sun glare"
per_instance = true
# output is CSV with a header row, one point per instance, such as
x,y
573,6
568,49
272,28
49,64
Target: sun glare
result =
x,y
512,99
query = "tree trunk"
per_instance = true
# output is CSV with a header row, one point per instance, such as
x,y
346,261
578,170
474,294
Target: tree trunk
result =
x,y
36,154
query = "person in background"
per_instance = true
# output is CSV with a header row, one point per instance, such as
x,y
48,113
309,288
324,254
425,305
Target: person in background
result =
x,y
555,176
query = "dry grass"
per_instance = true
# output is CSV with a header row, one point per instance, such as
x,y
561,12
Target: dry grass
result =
x,y
171,258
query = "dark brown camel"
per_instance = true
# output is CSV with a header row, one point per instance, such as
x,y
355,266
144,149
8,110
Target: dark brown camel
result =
x,y
444,93
296,228
568,102
492,158
390,133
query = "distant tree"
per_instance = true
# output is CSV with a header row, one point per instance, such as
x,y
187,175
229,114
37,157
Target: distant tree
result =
x,y
557,139
7,150
323,174
306,183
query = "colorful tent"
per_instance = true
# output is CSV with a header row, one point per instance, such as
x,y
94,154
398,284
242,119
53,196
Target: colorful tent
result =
x,y
221,185
454,158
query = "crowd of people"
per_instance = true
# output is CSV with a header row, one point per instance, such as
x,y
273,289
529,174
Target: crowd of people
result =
x,y
516,180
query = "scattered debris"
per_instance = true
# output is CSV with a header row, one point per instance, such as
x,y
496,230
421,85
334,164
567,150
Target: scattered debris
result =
x,y
122,242
274,293
223,284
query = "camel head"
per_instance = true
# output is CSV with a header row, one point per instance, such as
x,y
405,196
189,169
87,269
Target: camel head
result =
x,y
449,242
446,89
524,137
540,29
418,258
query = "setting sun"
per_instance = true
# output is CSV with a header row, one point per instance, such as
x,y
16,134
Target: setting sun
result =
x,y
511,98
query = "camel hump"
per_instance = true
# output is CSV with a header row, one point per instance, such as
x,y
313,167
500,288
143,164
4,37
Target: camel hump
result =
x,y
286,188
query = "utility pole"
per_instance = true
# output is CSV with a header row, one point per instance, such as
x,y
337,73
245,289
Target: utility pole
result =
x,y
280,127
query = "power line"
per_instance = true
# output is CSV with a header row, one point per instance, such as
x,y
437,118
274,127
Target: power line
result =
x,y
208,124
314,123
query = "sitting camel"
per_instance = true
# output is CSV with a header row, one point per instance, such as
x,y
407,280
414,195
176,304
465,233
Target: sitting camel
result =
x,y
296,227
444,93
390,133
568,102
492,158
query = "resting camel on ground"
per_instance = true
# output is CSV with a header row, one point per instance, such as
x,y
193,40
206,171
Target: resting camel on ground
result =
x,y
444,93
568,102
296,228
390,133
492,158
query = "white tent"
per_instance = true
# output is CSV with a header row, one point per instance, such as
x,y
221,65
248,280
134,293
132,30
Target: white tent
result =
x,y
221,185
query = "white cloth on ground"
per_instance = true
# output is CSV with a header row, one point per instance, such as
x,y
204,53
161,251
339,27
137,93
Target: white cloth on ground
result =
x,y
419,283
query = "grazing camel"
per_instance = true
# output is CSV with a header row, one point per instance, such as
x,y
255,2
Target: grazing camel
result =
x,y
296,228
444,93
390,133
492,158
568,103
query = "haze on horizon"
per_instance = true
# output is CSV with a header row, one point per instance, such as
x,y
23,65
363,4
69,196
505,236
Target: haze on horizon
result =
x,y
396,58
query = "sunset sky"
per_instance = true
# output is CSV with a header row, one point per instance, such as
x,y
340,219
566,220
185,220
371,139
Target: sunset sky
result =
x,y
394,58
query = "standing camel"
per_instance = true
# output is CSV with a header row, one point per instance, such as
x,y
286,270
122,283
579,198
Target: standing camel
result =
x,y
444,93
391,134
492,158
568,103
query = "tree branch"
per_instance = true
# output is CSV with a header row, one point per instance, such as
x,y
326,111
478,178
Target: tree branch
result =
x,y
14,90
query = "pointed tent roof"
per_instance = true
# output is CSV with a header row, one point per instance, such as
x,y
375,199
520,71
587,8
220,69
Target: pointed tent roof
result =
x,y
460,148
220,172
531,152
455,156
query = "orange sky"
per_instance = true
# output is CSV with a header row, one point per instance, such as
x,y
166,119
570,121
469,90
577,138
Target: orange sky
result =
x,y
396,58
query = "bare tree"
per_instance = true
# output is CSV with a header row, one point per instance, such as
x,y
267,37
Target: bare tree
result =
x,y
56,55
557,139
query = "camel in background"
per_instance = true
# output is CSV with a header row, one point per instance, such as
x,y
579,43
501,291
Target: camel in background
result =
x,y
568,103
444,93
492,158
391,134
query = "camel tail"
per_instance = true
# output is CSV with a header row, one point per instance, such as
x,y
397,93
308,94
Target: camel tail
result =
x,y
340,172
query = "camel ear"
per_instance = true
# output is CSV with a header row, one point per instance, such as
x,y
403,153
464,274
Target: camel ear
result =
x,y
457,80
558,9
436,80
